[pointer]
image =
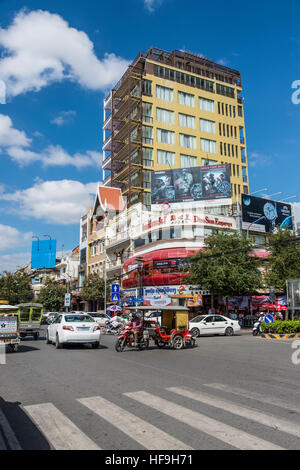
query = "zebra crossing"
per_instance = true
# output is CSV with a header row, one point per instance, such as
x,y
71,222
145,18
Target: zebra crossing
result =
x,y
63,434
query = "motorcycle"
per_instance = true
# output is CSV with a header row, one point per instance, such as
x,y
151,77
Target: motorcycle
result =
x,y
113,329
256,329
126,339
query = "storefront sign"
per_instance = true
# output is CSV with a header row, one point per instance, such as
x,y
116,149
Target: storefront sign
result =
x,y
188,218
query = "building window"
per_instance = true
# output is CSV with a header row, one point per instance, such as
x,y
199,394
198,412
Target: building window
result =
x,y
207,162
147,87
187,141
165,137
165,158
164,115
207,126
134,179
207,105
244,174
185,120
147,112
226,91
147,199
187,161
240,111
147,135
147,156
208,146
147,179
164,93
186,99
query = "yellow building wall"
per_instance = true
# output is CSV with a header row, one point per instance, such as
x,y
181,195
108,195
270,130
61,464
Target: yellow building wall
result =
x,y
197,113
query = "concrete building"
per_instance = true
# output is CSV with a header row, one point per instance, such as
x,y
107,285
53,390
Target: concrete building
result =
x,y
173,110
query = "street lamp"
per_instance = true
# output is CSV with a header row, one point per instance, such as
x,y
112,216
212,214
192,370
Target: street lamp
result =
x,y
286,198
274,194
254,222
258,191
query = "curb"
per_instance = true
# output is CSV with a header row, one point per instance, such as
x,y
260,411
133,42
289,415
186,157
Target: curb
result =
x,y
276,336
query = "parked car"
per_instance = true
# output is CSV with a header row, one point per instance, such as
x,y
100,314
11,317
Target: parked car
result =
x,y
73,328
213,325
100,318
153,316
51,317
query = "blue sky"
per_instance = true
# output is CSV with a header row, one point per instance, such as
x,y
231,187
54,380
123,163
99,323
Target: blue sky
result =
x,y
58,60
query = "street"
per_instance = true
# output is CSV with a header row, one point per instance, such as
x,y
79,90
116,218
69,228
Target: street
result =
x,y
226,393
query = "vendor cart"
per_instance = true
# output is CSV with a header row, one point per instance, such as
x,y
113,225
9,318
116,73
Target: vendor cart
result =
x,y
9,327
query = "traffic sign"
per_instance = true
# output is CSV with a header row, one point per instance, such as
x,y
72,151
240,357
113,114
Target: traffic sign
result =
x,y
115,297
67,300
115,288
269,319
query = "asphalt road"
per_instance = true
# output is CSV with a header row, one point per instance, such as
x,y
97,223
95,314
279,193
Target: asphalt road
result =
x,y
227,393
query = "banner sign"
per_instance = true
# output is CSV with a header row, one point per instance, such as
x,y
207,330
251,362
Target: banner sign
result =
x,y
8,325
190,184
264,215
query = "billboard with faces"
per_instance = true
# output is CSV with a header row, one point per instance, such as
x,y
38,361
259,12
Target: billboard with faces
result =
x,y
190,184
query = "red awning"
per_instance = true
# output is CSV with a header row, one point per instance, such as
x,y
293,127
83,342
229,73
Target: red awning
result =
x,y
157,280
170,253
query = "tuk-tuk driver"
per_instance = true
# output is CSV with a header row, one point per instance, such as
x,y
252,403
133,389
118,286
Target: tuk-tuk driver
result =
x,y
137,325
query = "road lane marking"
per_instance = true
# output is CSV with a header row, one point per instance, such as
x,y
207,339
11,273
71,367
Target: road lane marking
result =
x,y
59,430
8,433
248,413
254,396
144,433
233,436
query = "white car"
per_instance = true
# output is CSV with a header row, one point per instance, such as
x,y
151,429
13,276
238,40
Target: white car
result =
x,y
100,318
213,325
73,328
153,316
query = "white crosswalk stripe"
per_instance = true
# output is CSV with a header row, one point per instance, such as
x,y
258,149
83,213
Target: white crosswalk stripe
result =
x,y
232,436
248,413
255,396
61,432
142,432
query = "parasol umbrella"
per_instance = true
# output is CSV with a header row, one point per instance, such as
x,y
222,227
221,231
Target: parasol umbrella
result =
x,y
114,308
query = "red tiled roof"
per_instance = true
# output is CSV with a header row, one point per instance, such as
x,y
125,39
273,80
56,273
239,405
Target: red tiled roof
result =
x,y
110,198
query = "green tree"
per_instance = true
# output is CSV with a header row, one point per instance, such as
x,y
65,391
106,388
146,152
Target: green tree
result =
x,y
226,266
93,288
284,261
16,288
52,295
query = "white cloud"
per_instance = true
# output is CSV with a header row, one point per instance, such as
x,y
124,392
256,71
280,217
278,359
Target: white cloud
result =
x,y
41,48
10,136
152,4
55,155
16,145
259,160
13,261
63,118
10,237
60,202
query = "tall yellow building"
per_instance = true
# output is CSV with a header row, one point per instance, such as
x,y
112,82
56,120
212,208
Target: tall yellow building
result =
x,y
173,110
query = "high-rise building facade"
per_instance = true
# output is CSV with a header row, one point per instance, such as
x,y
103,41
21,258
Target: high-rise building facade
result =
x,y
173,110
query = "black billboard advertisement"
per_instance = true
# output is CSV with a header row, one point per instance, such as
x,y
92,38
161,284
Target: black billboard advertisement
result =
x,y
190,184
264,215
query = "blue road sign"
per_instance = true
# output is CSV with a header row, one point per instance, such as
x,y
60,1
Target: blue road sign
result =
x,y
269,319
115,297
115,288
